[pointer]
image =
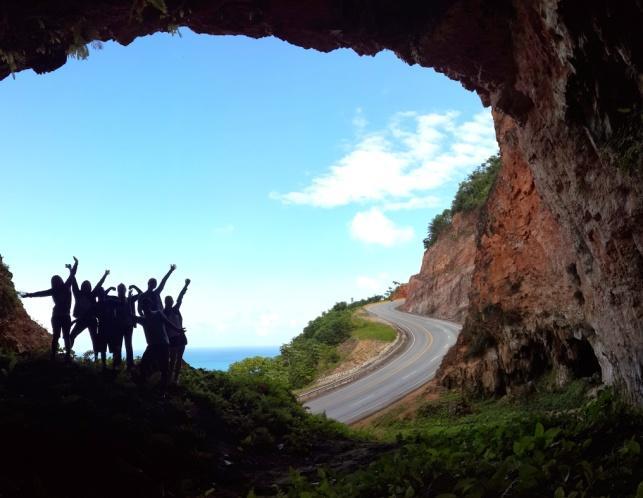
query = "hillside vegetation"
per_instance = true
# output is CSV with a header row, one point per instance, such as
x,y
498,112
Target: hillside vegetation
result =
x,y
314,351
577,442
72,430
472,194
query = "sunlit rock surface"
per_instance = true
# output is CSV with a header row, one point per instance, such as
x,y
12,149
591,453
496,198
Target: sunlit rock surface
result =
x,y
18,332
441,288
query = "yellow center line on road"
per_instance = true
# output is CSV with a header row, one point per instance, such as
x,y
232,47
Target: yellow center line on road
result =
x,y
368,387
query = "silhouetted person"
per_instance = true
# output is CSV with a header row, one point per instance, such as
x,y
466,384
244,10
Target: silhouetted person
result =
x,y
60,292
105,313
85,311
124,317
156,355
177,339
153,293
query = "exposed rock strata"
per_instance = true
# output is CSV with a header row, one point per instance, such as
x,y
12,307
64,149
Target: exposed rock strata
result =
x,y
400,292
441,288
568,72
526,313
17,331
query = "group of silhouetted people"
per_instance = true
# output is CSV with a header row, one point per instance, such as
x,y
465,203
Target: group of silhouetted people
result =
x,y
111,320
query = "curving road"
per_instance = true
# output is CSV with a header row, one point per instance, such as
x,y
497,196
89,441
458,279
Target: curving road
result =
x,y
429,340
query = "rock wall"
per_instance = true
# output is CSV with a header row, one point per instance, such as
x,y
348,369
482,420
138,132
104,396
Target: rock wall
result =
x,y
18,332
568,72
441,288
401,292
526,311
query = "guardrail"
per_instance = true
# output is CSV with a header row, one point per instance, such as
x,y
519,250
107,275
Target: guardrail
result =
x,y
339,379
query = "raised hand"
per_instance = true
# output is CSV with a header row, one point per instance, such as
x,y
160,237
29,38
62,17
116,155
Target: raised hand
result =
x,y
106,272
172,267
187,282
68,266
75,259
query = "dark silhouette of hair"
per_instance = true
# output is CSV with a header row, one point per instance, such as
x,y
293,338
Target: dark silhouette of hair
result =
x,y
86,287
57,282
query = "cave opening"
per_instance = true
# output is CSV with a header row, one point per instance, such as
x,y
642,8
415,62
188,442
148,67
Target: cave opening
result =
x,y
124,108
585,363
527,60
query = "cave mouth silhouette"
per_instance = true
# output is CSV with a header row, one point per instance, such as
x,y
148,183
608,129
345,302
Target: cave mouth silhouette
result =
x,y
567,73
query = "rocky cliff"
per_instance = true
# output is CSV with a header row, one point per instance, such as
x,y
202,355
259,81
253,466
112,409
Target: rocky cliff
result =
x,y
17,331
526,311
441,288
567,72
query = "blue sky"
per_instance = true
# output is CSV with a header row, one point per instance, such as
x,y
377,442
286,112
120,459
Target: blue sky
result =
x,y
280,180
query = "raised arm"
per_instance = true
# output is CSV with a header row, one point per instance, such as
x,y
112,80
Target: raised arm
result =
x,y
136,289
161,286
44,293
74,286
179,300
110,289
72,272
101,281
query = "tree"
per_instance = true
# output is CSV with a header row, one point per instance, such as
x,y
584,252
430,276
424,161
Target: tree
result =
x,y
472,194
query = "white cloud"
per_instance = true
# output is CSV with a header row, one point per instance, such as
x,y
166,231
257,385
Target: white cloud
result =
x,y
371,284
414,154
373,227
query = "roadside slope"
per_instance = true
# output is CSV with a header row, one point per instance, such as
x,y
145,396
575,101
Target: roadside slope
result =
x,y
429,340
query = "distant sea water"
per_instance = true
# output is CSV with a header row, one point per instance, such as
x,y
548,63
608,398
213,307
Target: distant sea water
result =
x,y
222,358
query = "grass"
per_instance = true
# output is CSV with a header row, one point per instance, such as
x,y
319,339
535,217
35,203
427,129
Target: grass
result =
x,y
454,411
369,329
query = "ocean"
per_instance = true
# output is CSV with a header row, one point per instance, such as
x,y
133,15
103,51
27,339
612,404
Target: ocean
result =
x,y
222,358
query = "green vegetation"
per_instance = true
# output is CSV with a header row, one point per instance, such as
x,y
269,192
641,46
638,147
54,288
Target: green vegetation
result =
x,y
369,329
312,352
72,430
576,442
472,194
438,225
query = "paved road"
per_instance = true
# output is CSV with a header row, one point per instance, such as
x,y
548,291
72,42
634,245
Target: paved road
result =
x,y
429,341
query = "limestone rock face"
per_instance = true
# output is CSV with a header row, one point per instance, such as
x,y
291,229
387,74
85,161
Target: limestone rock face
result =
x,y
567,72
441,289
526,311
18,332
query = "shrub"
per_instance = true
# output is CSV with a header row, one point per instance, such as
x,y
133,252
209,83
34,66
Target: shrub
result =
x,y
436,226
472,194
